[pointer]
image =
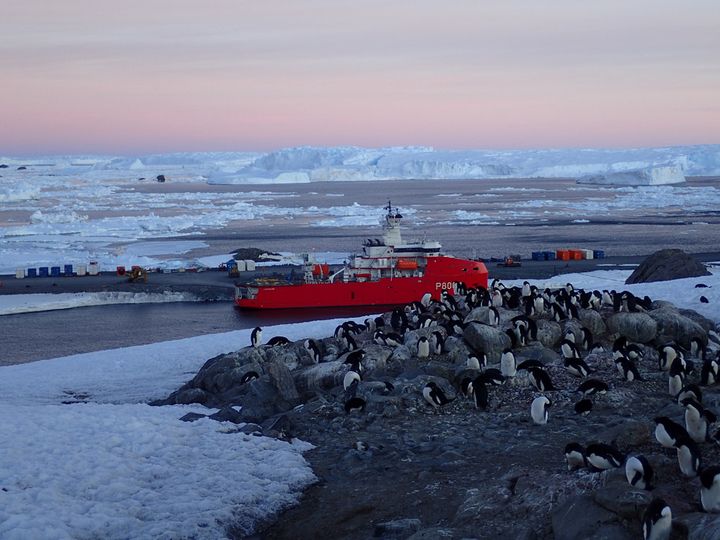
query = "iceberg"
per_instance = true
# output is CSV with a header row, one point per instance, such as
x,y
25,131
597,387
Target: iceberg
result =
x,y
649,176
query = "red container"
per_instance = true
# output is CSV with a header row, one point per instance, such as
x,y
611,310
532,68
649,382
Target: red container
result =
x,y
563,254
577,255
120,270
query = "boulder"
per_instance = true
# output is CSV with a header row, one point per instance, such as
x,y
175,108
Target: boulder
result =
x,y
577,518
593,321
638,327
623,500
673,326
282,378
480,314
486,338
700,526
667,264
549,332
321,376
398,528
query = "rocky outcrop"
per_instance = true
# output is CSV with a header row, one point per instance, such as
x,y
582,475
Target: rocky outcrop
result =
x,y
667,264
673,326
639,327
489,339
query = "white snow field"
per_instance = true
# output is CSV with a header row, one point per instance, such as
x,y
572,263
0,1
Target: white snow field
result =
x,y
116,468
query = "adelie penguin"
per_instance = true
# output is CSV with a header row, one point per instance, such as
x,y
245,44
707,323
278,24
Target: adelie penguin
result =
x,y
256,337
529,364
539,410
493,377
690,391
638,472
540,379
351,378
575,456
312,348
434,395
508,365
657,521
355,358
480,393
709,372
583,407
577,367
695,420
278,341
628,369
688,455
669,433
710,489
354,404
591,387
423,347
603,456
249,376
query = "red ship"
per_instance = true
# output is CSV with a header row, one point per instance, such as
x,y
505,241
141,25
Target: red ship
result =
x,y
388,272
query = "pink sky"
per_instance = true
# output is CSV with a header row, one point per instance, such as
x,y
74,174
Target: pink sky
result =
x,y
172,75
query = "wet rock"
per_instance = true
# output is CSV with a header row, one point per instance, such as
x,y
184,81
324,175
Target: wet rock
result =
x,y
593,321
398,528
282,378
578,518
492,340
228,414
673,326
482,314
321,376
549,333
192,417
667,264
700,526
638,327
185,397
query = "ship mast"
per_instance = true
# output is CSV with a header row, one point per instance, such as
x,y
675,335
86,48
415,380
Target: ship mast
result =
x,y
391,226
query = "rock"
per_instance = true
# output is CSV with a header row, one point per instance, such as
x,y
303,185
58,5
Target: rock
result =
x,y
673,326
192,416
282,378
251,429
628,434
638,327
699,526
623,500
479,503
492,340
593,321
185,397
321,376
577,518
480,314
665,265
549,332
160,178
704,322
612,531
433,533
228,414
398,528
398,361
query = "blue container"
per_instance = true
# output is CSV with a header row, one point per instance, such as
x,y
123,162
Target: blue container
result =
x,y
55,271
43,271
550,255
68,270
32,272
598,254
538,256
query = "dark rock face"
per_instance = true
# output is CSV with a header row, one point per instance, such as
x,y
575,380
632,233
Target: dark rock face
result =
x,y
667,264
160,178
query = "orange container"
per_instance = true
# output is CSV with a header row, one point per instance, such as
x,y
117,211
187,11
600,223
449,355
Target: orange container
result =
x,y
406,264
577,254
321,269
563,254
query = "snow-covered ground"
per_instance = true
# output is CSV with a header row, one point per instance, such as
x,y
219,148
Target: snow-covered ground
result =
x,y
116,468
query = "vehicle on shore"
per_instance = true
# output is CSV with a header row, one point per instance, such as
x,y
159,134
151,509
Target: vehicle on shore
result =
x,y
387,272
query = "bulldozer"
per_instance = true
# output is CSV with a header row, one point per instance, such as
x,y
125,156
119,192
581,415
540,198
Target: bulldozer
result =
x,y
137,274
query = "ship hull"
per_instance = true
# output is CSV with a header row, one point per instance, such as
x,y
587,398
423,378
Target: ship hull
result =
x,y
441,274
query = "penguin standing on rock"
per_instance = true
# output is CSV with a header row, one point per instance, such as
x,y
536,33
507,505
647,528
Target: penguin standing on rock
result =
x,y
638,472
249,376
434,395
508,365
256,337
709,372
657,521
312,348
423,347
480,393
539,410
351,378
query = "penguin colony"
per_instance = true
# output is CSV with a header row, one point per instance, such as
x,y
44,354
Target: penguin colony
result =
x,y
687,365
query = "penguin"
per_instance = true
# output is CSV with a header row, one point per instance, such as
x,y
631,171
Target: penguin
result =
x,y
569,336
540,379
426,321
709,372
592,386
249,376
466,387
710,489
480,393
657,521
526,291
354,358
586,339
351,377
437,342
508,366
493,377
393,339
278,341
354,404
688,455
370,325
574,456
577,367
568,349
628,369
539,410
493,316
638,472
434,395
669,433
426,299
676,378
496,299
690,391
583,407
349,342
256,337
528,364
603,456
697,348
361,446
695,421
311,347
472,362
423,347
666,355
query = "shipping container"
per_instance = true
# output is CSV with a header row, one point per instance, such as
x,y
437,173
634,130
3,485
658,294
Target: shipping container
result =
x,y
20,273
32,272
120,270
598,254
93,268
43,271
538,256
68,270
549,255
81,270
250,265
55,271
